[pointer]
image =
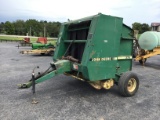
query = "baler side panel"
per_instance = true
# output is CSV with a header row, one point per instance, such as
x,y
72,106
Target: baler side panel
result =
x,y
126,48
125,64
61,46
89,43
106,41
88,51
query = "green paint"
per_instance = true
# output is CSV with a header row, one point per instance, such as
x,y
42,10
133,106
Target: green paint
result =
x,y
61,66
101,43
41,46
107,40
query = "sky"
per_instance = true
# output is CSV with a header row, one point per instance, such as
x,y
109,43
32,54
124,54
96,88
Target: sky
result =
x,y
143,11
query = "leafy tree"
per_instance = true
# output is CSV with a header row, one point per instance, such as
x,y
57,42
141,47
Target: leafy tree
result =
x,y
41,34
136,26
2,27
9,28
19,27
145,27
53,28
140,27
43,28
32,27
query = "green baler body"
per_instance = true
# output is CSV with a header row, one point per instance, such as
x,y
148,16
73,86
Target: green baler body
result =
x,y
101,43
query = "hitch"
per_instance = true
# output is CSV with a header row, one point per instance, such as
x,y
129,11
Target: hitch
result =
x,y
57,68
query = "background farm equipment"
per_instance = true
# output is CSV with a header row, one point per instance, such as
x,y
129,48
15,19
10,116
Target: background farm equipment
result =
x,y
42,40
97,50
41,47
25,42
149,44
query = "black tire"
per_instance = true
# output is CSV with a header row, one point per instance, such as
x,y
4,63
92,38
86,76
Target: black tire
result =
x,y
42,53
128,84
141,61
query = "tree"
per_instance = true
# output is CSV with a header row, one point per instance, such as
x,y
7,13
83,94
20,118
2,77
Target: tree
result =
x,y
43,31
19,27
33,27
136,26
9,28
52,29
145,27
2,27
140,27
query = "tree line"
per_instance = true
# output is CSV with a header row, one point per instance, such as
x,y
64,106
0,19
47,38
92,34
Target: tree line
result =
x,y
42,28
141,27
31,27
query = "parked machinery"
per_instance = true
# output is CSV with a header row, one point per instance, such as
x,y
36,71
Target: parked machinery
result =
x,y
149,44
42,40
25,41
41,47
95,49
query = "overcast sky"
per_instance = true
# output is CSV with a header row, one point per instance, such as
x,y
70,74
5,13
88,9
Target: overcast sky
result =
x,y
143,11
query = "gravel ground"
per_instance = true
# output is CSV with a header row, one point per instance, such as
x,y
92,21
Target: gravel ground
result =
x,y
64,98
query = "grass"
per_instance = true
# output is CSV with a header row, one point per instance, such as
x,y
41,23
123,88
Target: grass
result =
x,y
18,38
10,38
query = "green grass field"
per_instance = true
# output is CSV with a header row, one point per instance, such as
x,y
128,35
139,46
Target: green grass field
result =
x,y
18,38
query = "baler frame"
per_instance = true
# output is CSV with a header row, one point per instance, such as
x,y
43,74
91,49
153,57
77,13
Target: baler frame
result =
x,y
95,49
145,54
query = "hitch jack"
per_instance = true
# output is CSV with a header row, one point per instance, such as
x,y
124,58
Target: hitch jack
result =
x,y
34,101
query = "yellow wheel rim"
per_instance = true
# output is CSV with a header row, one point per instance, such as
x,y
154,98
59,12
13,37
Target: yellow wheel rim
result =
x,y
131,85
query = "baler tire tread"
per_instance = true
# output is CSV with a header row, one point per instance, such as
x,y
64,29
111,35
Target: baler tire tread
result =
x,y
123,82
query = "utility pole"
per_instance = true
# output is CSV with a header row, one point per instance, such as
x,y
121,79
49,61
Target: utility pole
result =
x,y
30,31
44,34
